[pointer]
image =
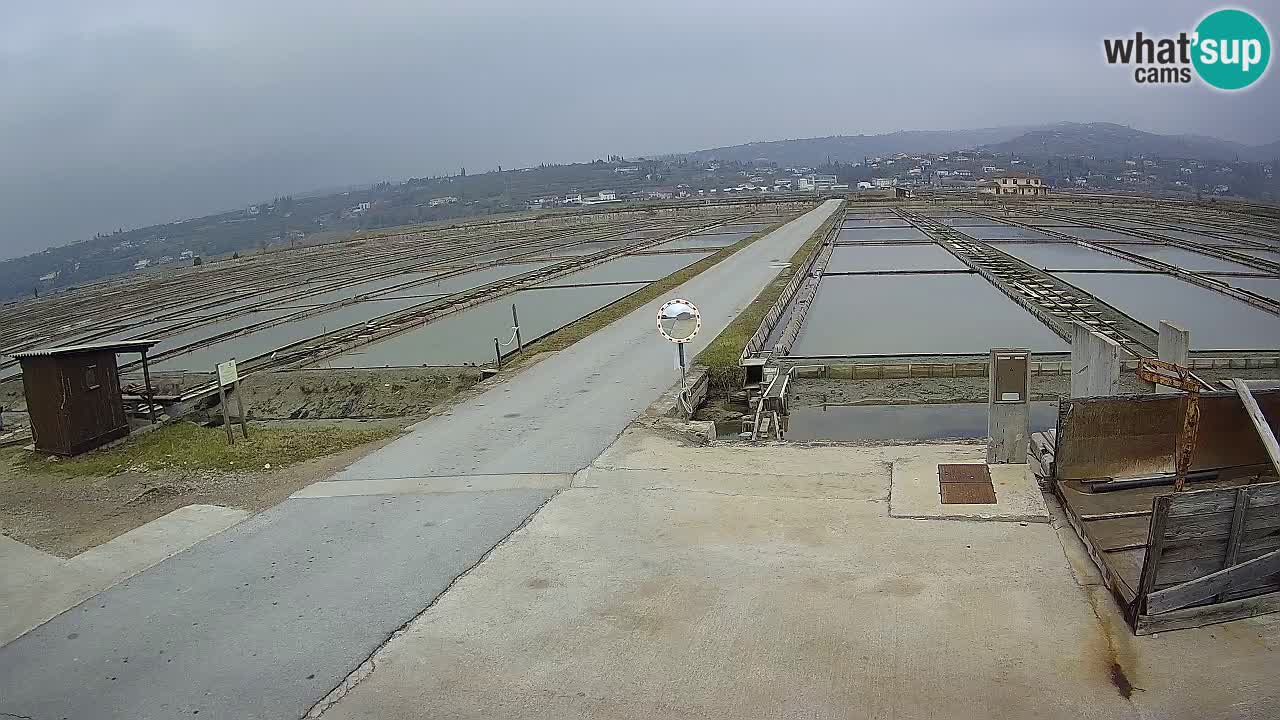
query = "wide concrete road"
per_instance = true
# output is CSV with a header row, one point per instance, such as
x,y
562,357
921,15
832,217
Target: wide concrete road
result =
x,y
263,620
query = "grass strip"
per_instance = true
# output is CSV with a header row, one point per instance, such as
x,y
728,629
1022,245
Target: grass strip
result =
x,y
189,446
722,354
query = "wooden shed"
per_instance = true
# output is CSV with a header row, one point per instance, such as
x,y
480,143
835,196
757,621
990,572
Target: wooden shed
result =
x,y
74,396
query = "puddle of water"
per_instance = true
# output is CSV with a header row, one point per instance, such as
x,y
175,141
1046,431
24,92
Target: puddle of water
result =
x,y
449,285
1065,256
1216,321
1092,233
874,222
702,241
587,248
253,344
1266,287
1255,238
1003,232
467,336
971,223
870,233
1269,255
204,332
631,268
903,422
1192,236
743,229
910,314
857,258
1186,259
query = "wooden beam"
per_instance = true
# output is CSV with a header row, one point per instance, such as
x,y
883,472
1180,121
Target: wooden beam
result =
x,y
1155,548
1259,422
1202,615
1180,596
1237,530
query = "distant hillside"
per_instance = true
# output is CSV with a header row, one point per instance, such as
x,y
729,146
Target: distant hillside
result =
x,y
1268,152
1110,141
811,152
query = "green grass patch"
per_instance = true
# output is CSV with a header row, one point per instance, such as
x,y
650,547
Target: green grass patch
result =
x,y
187,446
573,332
722,355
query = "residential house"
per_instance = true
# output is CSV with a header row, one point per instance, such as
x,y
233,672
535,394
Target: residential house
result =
x,y
1019,184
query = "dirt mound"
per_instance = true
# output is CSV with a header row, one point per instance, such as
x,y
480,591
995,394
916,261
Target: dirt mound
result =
x,y
322,393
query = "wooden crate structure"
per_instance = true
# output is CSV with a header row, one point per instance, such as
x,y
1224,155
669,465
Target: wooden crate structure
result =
x,y
1173,560
1212,555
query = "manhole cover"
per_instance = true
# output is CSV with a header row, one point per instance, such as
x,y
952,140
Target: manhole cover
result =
x,y
970,473
968,493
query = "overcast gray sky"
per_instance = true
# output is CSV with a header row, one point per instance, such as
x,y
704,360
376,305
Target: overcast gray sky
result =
x,y
122,114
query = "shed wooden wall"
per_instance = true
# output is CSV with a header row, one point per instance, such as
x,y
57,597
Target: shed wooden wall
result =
x,y
68,416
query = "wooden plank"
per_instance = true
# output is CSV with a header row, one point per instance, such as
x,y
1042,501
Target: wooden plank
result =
x,y
1197,502
1113,533
1121,589
1208,614
1212,584
1194,562
1218,524
1155,545
1237,530
1116,515
1259,422
1127,567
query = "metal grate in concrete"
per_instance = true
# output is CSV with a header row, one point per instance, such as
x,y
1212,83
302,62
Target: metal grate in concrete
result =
x,y
966,484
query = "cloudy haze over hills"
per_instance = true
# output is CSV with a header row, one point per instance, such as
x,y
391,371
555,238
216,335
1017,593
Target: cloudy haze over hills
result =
x,y
132,113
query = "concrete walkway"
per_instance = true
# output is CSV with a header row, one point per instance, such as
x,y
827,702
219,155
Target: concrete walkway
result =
x,y
37,586
773,582
263,620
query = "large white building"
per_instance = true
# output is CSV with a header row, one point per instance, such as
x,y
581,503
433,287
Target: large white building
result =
x,y
1018,184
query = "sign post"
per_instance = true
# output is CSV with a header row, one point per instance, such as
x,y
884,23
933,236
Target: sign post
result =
x,y
679,322
228,374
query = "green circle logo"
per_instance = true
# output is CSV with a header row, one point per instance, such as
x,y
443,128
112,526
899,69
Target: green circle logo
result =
x,y
1232,49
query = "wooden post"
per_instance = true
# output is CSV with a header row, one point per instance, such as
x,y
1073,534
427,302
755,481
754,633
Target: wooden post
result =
x,y
515,322
1267,437
1174,347
244,422
226,414
497,352
146,380
1095,363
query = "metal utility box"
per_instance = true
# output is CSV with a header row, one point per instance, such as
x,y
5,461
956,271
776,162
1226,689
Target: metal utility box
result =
x,y
73,395
1009,409
1009,371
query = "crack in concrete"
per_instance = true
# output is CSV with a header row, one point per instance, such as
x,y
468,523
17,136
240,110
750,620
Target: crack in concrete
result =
x,y
15,715
368,666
